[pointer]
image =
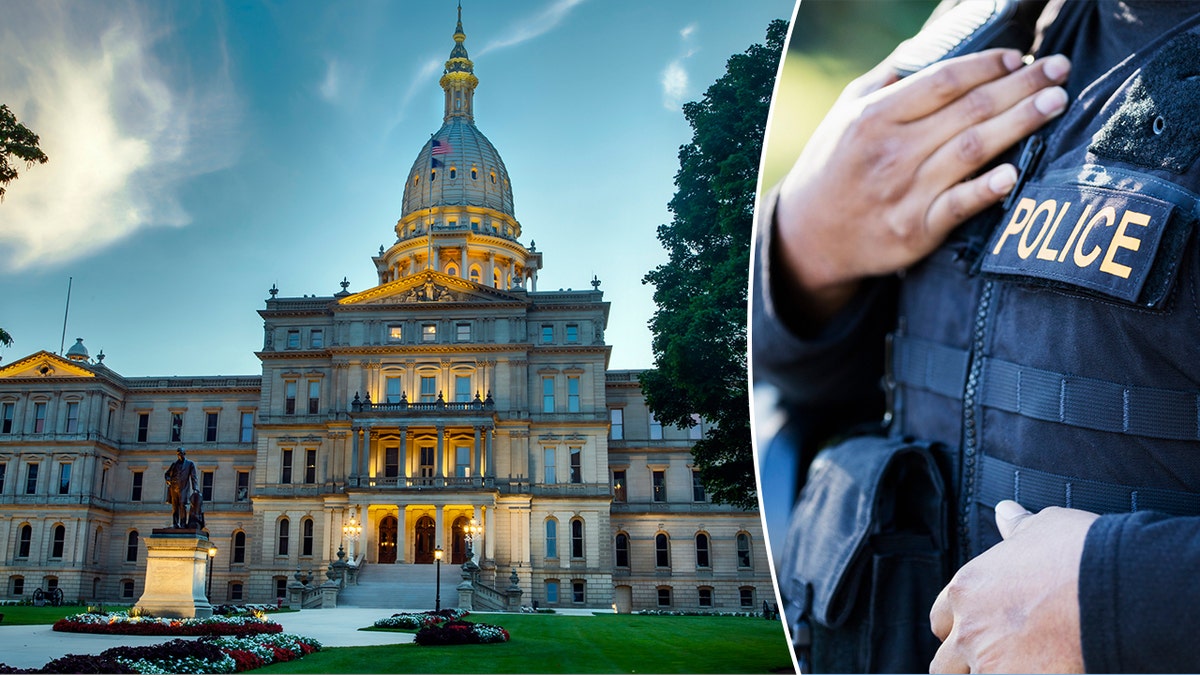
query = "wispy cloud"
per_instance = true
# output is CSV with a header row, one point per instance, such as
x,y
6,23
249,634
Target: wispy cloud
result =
x,y
527,28
120,137
675,75
330,85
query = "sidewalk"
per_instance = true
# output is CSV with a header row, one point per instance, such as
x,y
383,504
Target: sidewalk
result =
x,y
34,646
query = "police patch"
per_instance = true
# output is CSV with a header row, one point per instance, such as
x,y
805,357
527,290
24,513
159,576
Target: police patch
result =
x,y
1090,237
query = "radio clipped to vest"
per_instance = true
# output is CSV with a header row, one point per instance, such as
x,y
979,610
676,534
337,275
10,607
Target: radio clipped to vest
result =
x,y
969,26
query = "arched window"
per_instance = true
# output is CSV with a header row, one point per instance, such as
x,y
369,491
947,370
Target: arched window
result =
x,y
24,540
59,541
702,550
622,546
475,274
131,546
576,538
551,538
18,585
281,544
453,173
306,538
433,174
474,173
239,548
493,178
496,279
416,179
662,550
127,589
743,550
451,270
235,591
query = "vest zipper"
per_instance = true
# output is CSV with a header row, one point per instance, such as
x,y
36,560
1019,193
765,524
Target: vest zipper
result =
x,y
971,422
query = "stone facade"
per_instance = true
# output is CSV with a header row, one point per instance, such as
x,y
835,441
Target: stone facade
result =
x,y
451,395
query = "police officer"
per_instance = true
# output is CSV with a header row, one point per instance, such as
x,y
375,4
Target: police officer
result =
x,y
1047,344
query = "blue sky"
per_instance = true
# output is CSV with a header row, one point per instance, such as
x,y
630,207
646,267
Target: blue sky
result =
x,y
201,152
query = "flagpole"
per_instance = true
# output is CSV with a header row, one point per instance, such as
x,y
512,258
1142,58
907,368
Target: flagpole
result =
x,y
66,311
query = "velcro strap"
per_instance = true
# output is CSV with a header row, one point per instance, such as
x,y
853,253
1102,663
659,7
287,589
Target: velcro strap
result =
x,y
1083,402
1035,490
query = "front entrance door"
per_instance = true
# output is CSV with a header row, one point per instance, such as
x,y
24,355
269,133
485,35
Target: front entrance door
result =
x,y
458,541
387,540
425,528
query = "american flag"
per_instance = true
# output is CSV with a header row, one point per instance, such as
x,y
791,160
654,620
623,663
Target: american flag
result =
x,y
441,147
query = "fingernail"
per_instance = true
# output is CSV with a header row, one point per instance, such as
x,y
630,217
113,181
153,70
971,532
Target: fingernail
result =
x,y
1012,60
1056,67
1002,180
1051,102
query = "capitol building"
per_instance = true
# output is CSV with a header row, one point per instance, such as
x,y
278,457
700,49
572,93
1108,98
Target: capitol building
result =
x,y
451,409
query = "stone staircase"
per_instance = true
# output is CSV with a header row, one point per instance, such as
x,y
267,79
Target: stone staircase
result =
x,y
402,587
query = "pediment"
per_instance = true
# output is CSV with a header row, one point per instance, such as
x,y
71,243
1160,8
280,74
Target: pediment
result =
x,y
44,365
428,287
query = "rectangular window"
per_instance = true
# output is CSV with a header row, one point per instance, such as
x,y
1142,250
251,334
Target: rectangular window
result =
x,y
314,397
548,472
135,492
243,486
462,461
391,462
143,427
576,465
617,417
462,388
705,597
235,592
281,587
655,428
247,428
206,486
289,398
285,463
39,418
293,339
551,592
572,394
31,476
572,333
547,394
210,427
697,487
462,332
392,390
316,339
18,586
3,471
103,484
429,332
108,422
428,389
426,467
6,418
577,594
658,479
310,465
72,417
547,334
746,597
696,431
64,479
395,333
176,427
664,597
619,489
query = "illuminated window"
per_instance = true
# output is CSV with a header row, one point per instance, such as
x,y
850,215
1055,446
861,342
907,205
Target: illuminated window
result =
x,y
392,390
475,274
474,173
454,171
428,389
310,466
658,479
493,178
619,493
395,333
451,270
428,332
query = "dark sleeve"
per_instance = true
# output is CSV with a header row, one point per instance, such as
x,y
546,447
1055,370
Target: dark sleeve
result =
x,y
1139,600
834,368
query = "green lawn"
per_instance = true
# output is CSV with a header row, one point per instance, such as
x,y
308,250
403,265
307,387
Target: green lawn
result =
x,y
606,643
28,615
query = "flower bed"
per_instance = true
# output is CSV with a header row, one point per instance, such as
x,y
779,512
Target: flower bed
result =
x,y
121,623
461,633
417,620
669,612
206,655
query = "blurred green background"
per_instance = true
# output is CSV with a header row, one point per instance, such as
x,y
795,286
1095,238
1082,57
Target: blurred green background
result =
x,y
833,41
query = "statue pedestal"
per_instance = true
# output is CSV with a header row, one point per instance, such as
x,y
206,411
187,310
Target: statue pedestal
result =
x,y
176,568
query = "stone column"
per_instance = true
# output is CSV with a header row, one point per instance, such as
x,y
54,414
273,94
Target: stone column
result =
x,y
491,454
366,457
437,471
354,465
476,464
404,457
489,534
437,529
401,531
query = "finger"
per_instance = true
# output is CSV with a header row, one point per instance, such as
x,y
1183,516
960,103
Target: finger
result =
x,y
977,145
949,660
964,200
937,86
990,100
941,616
1009,516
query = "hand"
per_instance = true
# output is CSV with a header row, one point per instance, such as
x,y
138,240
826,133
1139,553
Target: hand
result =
x,y
1015,609
886,175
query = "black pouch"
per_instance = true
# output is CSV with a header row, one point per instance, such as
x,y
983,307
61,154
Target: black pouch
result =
x,y
866,556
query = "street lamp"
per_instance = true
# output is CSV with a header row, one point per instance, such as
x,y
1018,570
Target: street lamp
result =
x,y
437,561
352,530
472,530
212,556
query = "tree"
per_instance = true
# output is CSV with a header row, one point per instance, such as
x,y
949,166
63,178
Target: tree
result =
x,y
699,327
16,141
5,338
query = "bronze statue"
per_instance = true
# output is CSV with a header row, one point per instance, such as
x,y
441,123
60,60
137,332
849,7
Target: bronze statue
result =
x,y
183,493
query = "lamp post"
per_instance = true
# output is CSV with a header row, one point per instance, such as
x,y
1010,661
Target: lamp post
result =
x,y
473,530
351,530
212,556
437,561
